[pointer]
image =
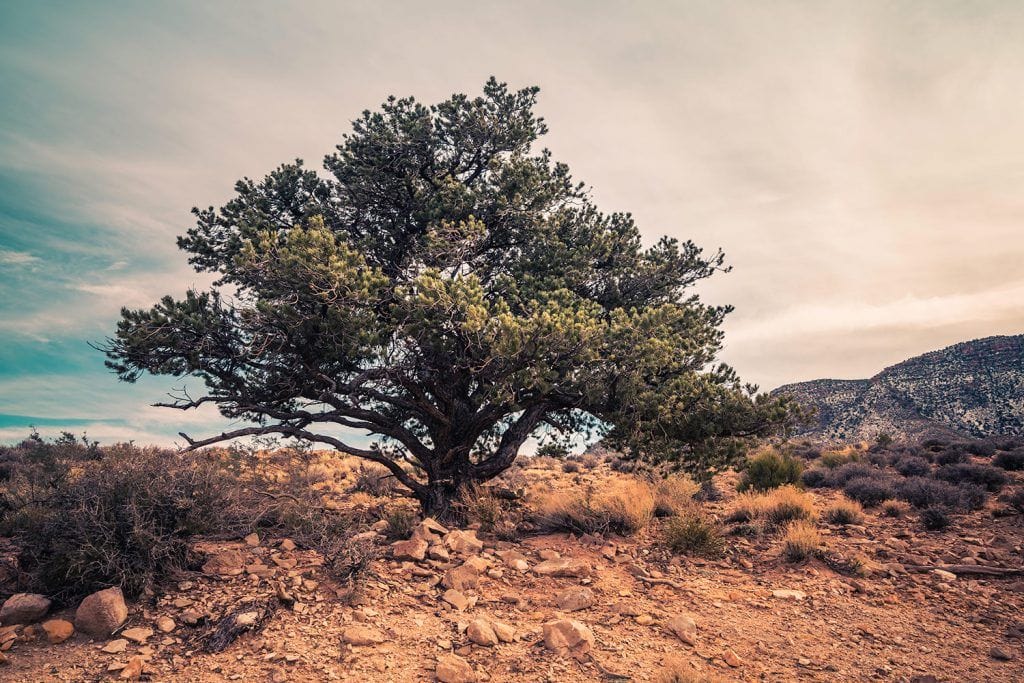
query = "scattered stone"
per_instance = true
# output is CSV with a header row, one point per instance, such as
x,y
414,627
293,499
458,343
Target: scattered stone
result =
x,y
461,578
575,599
480,632
464,542
137,634
514,560
568,567
787,594
413,550
505,633
548,554
252,540
1000,654
454,669
362,635
438,552
456,599
732,659
224,563
115,647
568,637
644,619
58,630
287,545
132,670
165,624
101,613
24,608
684,628
943,575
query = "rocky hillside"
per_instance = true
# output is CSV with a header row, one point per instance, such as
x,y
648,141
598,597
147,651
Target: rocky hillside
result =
x,y
975,388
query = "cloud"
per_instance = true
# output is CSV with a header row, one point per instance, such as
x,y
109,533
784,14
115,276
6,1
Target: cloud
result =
x,y
17,258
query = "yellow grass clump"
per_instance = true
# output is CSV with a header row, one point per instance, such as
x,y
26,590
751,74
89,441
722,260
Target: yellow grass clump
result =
x,y
674,494
844,511
776,507
802,540
623,506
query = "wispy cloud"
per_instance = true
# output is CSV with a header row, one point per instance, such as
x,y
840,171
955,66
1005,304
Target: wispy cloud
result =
x,y
17,258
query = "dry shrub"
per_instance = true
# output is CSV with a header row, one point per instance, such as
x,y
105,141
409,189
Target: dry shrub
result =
x,y
495,516
570,467
844,512
895,508
674,494
835,458
693,533
374,479
777,507
401,522
622,506
801,541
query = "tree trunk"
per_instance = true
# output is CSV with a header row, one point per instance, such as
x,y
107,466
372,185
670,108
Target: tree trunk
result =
x,y
438,498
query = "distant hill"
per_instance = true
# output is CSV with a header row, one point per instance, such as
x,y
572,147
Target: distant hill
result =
x,y
974,388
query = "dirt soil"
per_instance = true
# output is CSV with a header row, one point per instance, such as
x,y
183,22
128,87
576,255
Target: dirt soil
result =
x,y
896,624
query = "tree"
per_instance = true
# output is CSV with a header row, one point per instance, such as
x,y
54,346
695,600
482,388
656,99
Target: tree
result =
x,y
449,291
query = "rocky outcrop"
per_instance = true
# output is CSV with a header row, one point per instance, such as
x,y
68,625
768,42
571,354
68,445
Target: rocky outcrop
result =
x,y
973,389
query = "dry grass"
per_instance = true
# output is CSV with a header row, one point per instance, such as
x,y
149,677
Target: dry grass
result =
x,y
844,512
777,507
693,533
835,458
801,541
895,508
623,506
494,515
674,494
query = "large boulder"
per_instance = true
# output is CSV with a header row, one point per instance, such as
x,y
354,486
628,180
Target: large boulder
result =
x,y
24,608
101,613
568,637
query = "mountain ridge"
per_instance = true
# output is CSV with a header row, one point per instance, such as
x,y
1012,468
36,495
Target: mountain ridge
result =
x,y
973,388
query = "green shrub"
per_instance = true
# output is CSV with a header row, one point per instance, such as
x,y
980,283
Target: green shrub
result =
x,y
770,468
693,533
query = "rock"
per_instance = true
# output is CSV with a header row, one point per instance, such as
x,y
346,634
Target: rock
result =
x,y
569,567
505,632
568,637
456,599
24,608
362,635
115,647
252,540
429,530
454,669
943,575
438,552
547,554
58,630
732,659
478,563
101,613
165,624
574,599
137,635
461,578
246,619
514,560
133,669
287,545
481,633
684,628
224,563
787,594
413,550
464,542
1000,654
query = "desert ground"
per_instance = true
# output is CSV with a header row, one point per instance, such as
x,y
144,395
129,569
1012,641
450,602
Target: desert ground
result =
x,y
881,599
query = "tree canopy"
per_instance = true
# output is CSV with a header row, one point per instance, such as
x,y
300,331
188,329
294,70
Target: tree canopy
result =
x,y
450,290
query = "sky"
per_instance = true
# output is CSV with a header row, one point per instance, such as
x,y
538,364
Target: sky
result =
x,y
858,162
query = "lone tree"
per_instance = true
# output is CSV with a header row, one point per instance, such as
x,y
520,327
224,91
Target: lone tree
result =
x,y
450,291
